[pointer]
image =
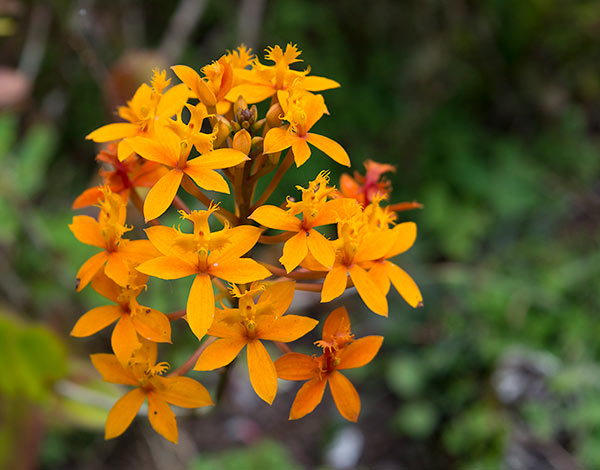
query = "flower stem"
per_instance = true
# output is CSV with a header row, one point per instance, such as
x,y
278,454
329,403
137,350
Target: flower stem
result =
x,y
187,365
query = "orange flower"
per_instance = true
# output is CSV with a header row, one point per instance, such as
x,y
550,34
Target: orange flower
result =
x,y
340,351
365,188
264,81
302,111
106,233
130,173
131,317
148,107
203,254
250,323
316,210
143,373
170,150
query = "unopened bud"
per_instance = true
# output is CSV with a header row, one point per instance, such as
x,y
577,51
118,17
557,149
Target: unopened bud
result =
x,y
274,115
242,141
257,126
222,133
257,143
238,106
274,157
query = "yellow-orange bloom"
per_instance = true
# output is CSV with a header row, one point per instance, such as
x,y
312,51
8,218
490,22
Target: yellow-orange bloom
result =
x,y
250,323
340,351
143,373
203,254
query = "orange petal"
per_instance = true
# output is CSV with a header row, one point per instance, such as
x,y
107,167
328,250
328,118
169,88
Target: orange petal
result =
x,y
154,151
201,305
87,198
294,251
111,369
106,287
89,269
241,240
286,328
337,322
220,353
124,339
308,397
95,320
277,218
162,237
122,413
87,230
223,329
220,158
278,139
360,352
252,93
301,151
321,248
167,267
172,101
335,283
404,284
380,277
198,86
276,298
116,268
296,366
315,83
368,290
332,211
113,131
124,150
152,325
406,236
182,391
345,396
261,369
240,270
162,194
161,417
206,179
329,147
137,251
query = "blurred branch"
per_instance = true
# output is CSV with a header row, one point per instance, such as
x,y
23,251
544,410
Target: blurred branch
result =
x,y
36,40
250,21
183,21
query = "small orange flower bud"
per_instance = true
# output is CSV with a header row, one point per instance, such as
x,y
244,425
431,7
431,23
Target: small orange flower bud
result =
x,y
222,133
242,141
274,115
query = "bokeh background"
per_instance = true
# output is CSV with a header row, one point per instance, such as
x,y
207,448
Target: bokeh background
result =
x,y
490,111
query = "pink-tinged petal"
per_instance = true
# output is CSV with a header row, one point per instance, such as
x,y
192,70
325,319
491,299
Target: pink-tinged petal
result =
x,y
404,284
168,267
89,269
95,320
360,352
122,413
335,283
277,218
321,248
329,147
201,305
294,251
278,139
220,353
114,131
87,230
261,369
308,397
162,194
207,179
301,151
345,396
161,417
368,290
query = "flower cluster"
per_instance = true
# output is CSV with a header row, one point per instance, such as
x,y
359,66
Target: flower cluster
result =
x,y
205,134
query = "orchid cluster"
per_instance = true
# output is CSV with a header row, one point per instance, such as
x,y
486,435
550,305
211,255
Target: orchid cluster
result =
x,y
205,134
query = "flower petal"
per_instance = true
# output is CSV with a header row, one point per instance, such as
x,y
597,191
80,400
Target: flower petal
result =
x,y
336,209
296,366
301,151
337,322
315,83
217,159
375,245
329,147
207,179
198,86
116,268
404,284
122,413
406,236
345,396
88,198
220,353
152,325
162,194
89,269
380,277
161,417
276,298
278,139
252,93
286,328
106,287
240,270
308,397
241,240
87,230
172,101
321,248
261,369
95,320
168,267
124,339
115,131
111,369
182,391
154,151
360,352
277,218
294,251
201,305
335,283
368,290
162,237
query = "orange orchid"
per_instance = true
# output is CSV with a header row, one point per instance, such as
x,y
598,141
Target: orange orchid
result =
x,y
204,254
148,107
340,351
143,373
264,81
302,111
365,188
131,317
316,211
131,173
250,323
173,152
118,253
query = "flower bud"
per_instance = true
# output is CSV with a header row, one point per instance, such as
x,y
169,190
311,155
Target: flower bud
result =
x,y
223,131
273,115
242,141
